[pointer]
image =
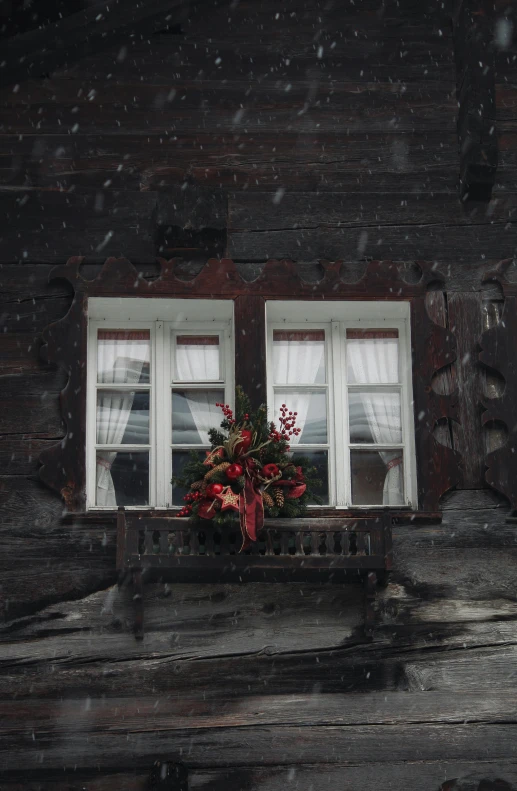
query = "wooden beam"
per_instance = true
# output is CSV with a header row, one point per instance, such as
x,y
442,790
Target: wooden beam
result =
x,y
250,347
97,27
473,25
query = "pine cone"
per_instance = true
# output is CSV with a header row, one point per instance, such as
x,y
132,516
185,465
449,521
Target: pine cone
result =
x,y
268,500
196,485
278,496
220,468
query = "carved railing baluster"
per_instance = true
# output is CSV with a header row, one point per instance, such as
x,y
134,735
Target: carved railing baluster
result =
x,y
164,542
148,542
193,541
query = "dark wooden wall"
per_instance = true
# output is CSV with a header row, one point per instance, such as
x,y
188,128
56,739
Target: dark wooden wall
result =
x,y
303,129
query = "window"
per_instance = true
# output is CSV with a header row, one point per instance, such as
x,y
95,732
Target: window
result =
x,y
156,369
355,464
345,369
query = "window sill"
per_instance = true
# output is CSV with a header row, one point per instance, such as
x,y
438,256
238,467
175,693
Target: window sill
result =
x,y
322,514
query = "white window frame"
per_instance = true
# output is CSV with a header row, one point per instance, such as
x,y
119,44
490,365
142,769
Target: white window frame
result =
x,y
165,319
335,318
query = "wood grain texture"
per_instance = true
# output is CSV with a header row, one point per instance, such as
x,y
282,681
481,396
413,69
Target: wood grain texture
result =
x,y
424,775
36,52
473,24
347,152
498,354
250,347
465,319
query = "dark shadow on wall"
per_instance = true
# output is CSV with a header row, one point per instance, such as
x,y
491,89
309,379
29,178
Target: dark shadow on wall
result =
x,y
472,783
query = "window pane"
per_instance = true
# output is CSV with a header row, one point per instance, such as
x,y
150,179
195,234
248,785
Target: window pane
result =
x,y
122,418
372,356
123,356
319,460
377,477
299,357
374,417
179,459
193,413
311,418
122,478
197,358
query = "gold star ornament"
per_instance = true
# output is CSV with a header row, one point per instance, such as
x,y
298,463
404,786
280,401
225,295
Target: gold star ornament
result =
x,y
229,500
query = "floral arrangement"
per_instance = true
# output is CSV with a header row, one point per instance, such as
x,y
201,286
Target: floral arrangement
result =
x,y
248,471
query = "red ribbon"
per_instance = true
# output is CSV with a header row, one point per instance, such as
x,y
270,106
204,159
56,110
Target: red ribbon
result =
x,y
251,508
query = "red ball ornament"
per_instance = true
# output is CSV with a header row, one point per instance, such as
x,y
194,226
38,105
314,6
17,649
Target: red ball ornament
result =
x,y
269,470
234,471
214,489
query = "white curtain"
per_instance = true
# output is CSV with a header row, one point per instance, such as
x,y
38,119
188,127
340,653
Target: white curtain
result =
x,y
298,357
197,360
120,359
375,361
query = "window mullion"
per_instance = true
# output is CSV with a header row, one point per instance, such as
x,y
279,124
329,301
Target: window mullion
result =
x,y
340,416
159,418
405,374
91,407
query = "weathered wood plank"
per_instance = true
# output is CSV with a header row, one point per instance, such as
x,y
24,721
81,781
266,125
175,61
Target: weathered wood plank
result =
x,y
366,106
473,26
421,775
270,746
416,665
38,51
460,529
30,315
56,224
19,454
372,162
461,593
424,775
442,243
285,50
260,212
250,347
20,353
30,403
149,713
459,500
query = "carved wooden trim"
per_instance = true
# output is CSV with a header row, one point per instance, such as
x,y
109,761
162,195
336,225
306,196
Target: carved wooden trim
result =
x,y
433,347
499,352
437,464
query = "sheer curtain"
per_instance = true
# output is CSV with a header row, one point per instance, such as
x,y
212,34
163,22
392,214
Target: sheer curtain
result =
x,y
298,357
375,361
120,358
197,360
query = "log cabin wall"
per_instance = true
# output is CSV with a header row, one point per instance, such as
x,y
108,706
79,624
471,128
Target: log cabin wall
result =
x,y
302,130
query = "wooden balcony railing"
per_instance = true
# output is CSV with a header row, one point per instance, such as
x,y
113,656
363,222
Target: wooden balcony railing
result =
x,y
332,549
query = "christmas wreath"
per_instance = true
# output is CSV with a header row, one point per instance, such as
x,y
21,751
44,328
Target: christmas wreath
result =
x,y
248,471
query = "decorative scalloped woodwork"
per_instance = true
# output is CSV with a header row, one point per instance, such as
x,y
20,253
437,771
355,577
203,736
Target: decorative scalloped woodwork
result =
x,y
499,352
438,465
433,347
221,278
